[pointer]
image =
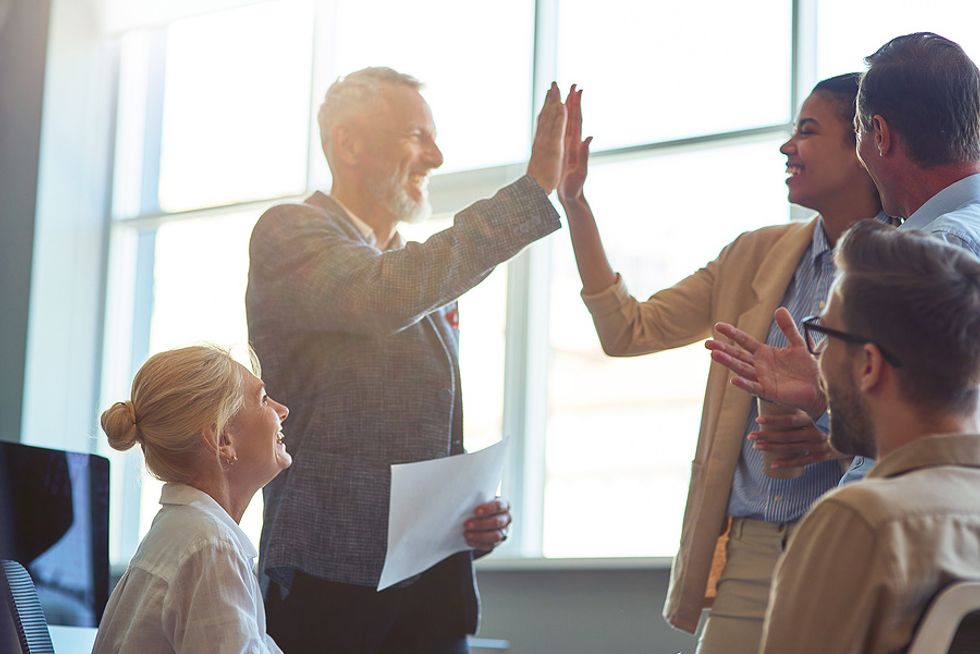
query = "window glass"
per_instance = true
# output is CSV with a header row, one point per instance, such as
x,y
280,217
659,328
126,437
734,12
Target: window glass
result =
x,y
236,108
847,32
655,71
474,58
621,432
200,271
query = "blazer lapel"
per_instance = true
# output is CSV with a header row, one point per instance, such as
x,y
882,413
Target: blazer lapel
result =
x,y
769,285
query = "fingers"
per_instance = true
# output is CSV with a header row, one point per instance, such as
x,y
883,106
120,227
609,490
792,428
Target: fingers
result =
x,y
549,140
740,368
788,326
737,335
489,525
796,421
734,351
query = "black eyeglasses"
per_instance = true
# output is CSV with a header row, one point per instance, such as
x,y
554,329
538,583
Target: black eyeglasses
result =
x,y
815,333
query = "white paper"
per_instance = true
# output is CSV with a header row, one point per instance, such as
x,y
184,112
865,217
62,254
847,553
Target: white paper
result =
x,y
430,501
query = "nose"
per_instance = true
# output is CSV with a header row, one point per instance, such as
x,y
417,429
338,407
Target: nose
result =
x,y
282,411
433,155
789,147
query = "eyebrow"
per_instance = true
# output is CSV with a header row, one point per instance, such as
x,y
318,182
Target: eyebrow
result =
x,y
805,121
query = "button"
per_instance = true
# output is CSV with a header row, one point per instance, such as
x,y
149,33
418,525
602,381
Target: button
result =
x,y
821,304
778,498
445,394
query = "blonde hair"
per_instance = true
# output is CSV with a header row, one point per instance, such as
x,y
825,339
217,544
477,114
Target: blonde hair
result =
x,y
176,395
349,95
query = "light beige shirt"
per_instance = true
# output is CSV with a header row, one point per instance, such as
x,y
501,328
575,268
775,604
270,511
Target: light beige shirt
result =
x,y
189,587
868,558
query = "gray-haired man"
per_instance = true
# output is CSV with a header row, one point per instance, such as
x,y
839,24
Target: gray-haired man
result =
x,y
357,332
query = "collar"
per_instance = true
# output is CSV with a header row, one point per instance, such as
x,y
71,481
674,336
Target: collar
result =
x,y
928,452
951,198
361,226
820,245
174,494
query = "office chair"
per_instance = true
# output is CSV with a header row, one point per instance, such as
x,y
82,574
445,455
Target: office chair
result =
x,y
951,624
19,600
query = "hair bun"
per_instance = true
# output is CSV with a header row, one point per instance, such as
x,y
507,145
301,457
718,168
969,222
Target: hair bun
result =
x,y
119,425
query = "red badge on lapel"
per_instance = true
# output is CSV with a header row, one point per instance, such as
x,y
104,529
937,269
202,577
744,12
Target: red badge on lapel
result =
x,y
452,317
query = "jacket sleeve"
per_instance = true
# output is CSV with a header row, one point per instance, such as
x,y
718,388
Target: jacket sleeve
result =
x,y
673,317
315,277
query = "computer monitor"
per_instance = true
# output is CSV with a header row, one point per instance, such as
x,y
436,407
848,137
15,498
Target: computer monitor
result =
x,y
54,520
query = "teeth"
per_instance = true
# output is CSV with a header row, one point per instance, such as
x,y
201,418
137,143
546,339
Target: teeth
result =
x,y
793,169
280,437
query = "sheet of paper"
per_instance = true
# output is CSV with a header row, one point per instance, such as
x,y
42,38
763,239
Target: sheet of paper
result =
x,y
430,501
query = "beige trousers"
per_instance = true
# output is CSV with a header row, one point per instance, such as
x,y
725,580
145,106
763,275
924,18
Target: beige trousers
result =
x,y
734,623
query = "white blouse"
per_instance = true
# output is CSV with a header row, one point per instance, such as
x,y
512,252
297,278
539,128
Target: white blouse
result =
x,y
190,586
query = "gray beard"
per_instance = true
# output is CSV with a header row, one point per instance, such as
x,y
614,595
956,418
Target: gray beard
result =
x,y
390,194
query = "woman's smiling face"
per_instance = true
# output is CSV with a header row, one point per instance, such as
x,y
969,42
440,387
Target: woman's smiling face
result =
x,y
820,157
256,433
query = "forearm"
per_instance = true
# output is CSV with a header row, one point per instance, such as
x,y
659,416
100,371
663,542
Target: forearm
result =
x,y
590,255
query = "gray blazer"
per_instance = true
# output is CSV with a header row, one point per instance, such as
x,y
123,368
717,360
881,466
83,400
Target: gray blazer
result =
x,y
361,345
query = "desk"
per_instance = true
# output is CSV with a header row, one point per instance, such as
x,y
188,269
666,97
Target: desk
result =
x,y
72,640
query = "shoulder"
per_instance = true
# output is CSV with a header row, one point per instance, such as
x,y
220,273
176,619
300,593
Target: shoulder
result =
x,y
871,502
181,535
757,242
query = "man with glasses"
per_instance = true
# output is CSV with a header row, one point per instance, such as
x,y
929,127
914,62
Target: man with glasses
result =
x,y
899,360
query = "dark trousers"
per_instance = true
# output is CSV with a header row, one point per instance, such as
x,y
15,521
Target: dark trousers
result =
x,y
324,616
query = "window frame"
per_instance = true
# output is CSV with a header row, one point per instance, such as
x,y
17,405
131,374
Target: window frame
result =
x,y
130,296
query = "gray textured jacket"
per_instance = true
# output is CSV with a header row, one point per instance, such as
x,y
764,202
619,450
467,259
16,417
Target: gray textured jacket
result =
x,y
357,343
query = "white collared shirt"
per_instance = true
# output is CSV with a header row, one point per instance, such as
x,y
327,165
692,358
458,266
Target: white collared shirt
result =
x,y
365,229
189,587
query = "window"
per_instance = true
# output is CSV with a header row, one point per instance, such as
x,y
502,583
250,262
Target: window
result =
x,y
688,103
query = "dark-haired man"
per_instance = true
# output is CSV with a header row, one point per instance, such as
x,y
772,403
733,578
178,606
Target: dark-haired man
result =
x,y
918,134
899,360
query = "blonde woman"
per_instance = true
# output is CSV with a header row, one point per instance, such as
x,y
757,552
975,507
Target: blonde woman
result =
x,y
208,429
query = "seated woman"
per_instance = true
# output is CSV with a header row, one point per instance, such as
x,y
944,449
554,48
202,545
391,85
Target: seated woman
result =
x,y
208,429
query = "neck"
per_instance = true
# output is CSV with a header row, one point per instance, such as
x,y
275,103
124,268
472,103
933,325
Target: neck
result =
x,y
918,185
848,207
895,428
221,489
358,200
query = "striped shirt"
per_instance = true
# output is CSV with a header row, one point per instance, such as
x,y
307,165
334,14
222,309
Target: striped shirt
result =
x,y
755,494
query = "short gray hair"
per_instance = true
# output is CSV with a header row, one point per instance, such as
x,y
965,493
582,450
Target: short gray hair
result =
x,y
349,94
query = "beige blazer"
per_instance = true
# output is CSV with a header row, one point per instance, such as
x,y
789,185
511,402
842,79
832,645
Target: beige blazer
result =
x,y
743,286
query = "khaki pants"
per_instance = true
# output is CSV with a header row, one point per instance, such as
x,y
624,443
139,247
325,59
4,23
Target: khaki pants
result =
x,y
734,624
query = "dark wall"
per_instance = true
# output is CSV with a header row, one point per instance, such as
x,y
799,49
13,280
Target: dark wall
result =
x,y
23,44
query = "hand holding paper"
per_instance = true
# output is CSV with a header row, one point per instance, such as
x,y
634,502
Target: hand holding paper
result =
x,y
431,501
488,526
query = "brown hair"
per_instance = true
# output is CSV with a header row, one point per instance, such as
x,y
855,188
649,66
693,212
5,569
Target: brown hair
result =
x,y
918,298
176,395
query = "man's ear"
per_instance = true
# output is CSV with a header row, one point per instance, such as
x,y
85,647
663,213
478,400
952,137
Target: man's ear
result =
x,y
870,368
347,146
883,135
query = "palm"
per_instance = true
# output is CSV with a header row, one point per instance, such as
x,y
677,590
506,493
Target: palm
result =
x,y
788,375
575,163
